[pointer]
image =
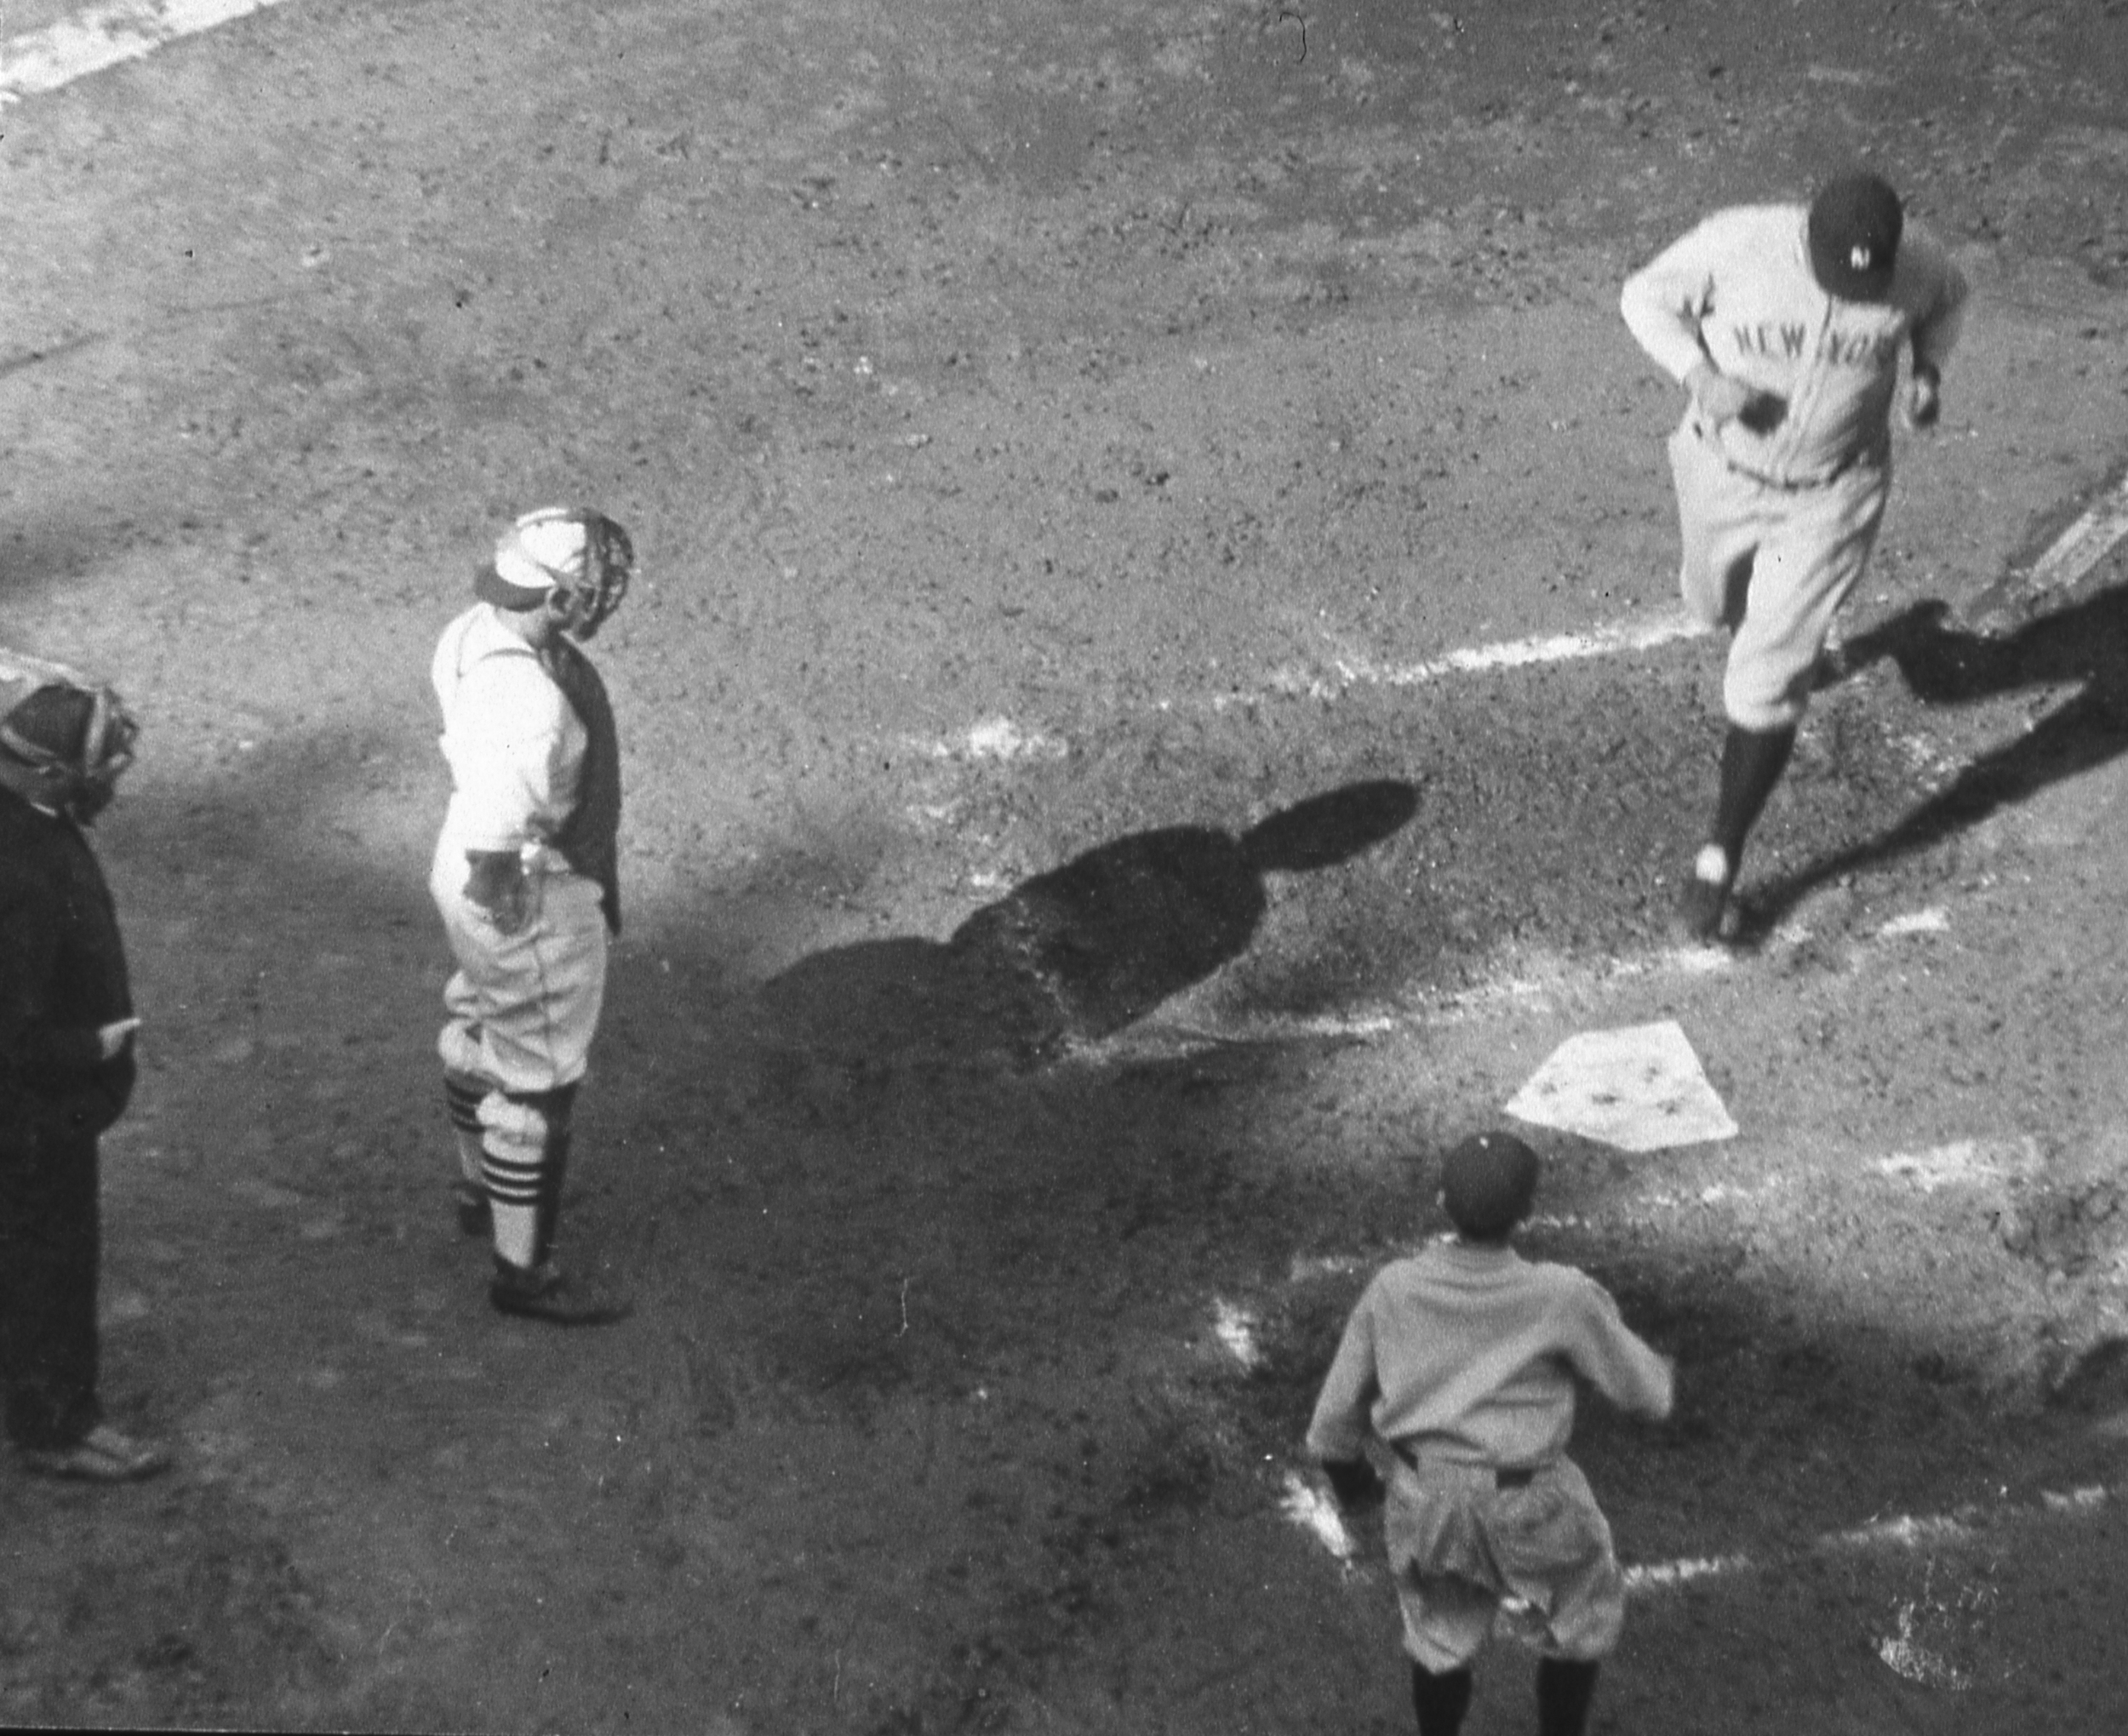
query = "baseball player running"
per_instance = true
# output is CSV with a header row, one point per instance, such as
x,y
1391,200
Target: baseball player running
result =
x,y
1461,1361
1785,324
524,877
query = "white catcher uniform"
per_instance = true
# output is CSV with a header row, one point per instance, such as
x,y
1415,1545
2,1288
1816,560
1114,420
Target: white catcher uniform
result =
x,y
523,1007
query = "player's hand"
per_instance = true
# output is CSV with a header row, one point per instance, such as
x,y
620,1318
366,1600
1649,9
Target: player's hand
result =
x,y
1924,402
497,887
1668,1409
1722,398
112,1038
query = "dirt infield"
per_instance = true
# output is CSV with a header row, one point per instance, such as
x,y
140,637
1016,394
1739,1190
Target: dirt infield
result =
x,y
1071,898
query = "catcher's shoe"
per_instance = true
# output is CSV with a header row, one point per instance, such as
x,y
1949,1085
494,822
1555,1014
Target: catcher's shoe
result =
x,y
1705,899
102,1455
545,1292
475,1216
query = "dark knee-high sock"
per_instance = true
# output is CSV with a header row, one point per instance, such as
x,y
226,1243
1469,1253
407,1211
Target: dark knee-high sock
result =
x,y
1440,1700
1565,1686
1753,760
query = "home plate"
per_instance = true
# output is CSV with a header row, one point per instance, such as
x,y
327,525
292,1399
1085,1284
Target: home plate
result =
x,y
1640,1089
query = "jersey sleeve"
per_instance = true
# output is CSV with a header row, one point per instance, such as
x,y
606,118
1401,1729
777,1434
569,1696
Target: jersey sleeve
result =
x,y
1937,324
1339,1427
505,741
1664,302
1614,1358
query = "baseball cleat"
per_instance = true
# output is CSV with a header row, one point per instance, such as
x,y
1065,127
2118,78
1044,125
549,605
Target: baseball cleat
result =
x,y
475,1218
102,1455
1705,897
1836,663
545,1292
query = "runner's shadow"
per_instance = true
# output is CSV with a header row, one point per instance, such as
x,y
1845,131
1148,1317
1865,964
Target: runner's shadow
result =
x,y
1082,951
2086,642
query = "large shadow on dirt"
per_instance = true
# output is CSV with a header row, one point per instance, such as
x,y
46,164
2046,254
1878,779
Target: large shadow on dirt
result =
x,y
1081,951
913,1317
2086,643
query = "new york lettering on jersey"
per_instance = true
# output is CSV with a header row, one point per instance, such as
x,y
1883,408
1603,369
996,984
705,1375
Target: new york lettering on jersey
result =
x,y
1836,346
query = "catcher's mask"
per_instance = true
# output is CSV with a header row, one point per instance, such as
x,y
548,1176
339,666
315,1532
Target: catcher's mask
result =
x,y
571,561
78,737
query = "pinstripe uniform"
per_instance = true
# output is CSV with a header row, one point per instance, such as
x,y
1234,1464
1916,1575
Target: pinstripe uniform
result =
x,y
1778,511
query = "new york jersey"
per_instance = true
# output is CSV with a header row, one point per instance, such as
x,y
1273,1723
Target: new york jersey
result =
x,y
1739,289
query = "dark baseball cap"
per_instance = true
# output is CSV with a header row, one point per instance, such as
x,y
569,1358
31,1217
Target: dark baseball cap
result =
x,y
1855,223
1488,1183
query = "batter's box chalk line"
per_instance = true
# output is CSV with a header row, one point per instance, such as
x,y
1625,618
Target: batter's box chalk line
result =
x,y
1308,1504
1935,1636
1316,1511
51,59
1235,1326
1351,668
2086,541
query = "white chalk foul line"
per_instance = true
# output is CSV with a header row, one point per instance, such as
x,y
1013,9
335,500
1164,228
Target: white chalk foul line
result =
x,y
2074,553
1000,740
2088,540
2085,544
1349,671
103,35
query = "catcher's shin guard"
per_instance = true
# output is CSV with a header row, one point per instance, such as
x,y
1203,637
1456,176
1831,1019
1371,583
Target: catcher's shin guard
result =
x,y
552,1173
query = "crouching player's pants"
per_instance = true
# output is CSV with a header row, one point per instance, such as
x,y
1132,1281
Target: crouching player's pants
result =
x,y
1460,1546
1772,564
522,1009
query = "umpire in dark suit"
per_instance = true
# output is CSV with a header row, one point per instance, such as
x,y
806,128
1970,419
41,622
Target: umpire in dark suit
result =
x,y
66,1067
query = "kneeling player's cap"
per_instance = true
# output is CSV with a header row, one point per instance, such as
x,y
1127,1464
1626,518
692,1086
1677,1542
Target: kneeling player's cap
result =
x,y
1488,1183
1854,232
542,552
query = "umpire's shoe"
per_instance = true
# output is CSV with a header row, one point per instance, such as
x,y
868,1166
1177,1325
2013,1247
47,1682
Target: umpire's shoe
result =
x,y
102,1455
545,1292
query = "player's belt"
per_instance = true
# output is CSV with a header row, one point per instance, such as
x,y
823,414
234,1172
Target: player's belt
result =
x,y
1503,1476
1787,485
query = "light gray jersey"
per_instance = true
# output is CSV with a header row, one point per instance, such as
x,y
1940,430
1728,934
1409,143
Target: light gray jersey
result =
x,y
1738,290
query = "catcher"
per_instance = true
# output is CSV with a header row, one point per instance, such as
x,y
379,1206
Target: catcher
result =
x,y
525,878
1460,1361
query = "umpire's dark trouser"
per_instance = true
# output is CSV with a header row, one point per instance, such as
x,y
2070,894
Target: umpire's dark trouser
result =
x,y
48,1253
